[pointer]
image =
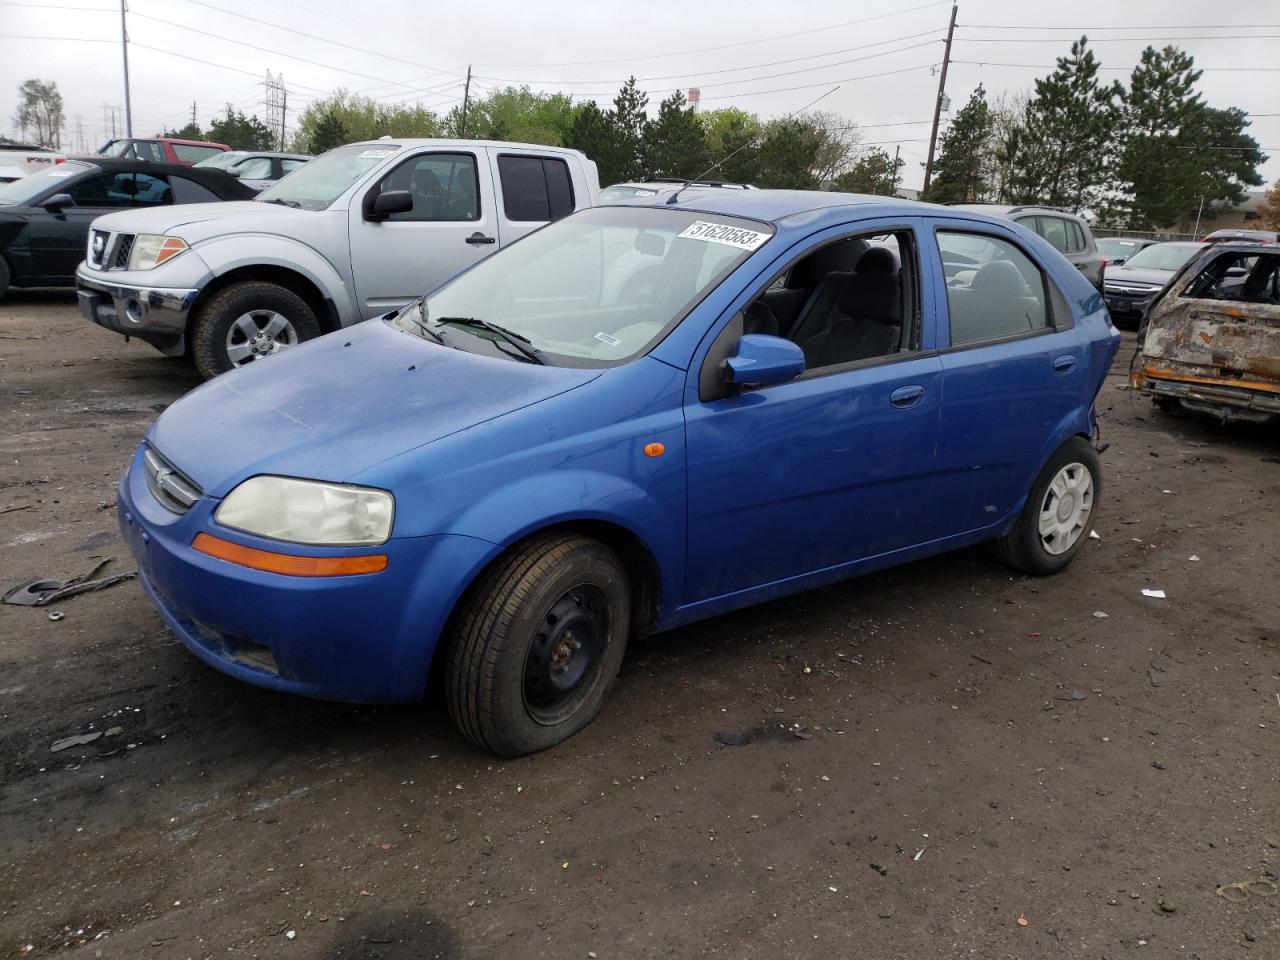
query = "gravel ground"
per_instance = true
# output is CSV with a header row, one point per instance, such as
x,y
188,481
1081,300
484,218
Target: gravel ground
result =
x,y
995,769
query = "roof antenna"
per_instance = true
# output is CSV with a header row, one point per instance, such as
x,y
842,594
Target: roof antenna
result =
x,y
676,196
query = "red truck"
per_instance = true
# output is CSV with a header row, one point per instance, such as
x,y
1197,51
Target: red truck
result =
x,y
162,150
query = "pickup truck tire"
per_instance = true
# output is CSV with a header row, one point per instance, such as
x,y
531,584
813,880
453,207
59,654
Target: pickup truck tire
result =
x,y
1059,512
537,644
254,320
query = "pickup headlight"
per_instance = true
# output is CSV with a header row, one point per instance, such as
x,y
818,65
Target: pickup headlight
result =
x,y
151,249
308,511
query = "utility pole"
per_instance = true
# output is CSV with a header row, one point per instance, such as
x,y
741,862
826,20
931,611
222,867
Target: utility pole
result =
x,y
284,109
937,106
124,49
466,102
193,113
80,134
896,167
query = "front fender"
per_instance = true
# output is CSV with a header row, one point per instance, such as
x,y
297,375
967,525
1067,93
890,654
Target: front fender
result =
x,y
225,255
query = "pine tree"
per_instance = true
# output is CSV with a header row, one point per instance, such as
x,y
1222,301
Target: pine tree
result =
x,y
329,132
787,156
873,172
961,173
628,119
1061,155
595,135
732,136
675,144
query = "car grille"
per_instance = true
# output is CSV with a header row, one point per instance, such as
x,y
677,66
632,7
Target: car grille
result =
x,y
97,247
174,491
124,244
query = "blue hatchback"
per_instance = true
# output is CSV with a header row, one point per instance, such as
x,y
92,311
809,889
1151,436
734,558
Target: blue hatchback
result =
x,y
635,417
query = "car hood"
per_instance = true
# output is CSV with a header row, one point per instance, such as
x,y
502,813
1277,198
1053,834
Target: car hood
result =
x,y
336,406
196,221
1140,275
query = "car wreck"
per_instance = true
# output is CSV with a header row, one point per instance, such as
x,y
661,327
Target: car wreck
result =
x,y
1210,341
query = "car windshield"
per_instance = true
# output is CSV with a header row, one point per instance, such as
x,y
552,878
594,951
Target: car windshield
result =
x,y
28,188
222,161
1112,249
1163,256
592,290
321,181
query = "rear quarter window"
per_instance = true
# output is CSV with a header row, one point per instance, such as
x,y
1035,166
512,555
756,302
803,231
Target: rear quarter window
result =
x,y
188,191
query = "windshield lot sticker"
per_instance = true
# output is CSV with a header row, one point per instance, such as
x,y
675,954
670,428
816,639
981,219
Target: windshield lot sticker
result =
x,y
722,233
606,338
375,154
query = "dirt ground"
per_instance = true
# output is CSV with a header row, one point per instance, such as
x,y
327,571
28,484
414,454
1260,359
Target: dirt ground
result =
x,y
985,749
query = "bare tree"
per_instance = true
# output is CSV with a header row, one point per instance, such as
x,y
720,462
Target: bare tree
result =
x,y
40,110
1006,117
838,142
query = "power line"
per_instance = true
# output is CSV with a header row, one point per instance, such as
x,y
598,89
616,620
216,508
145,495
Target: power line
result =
x,y
1053,66
810,86
1163,26
52,6
727,46
15,36
1142,39
707,73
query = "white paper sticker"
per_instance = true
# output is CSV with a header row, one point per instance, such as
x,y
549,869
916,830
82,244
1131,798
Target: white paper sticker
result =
x,y
723,233
375,154
606,338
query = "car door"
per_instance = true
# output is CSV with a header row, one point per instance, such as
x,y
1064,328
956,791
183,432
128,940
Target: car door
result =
x,y
58,238
1011,376
451,226
815,473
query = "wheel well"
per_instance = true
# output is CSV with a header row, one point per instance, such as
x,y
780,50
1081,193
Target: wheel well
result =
x,y
324,309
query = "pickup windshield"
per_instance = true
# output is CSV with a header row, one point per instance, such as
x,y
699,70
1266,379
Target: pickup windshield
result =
x,y
322,180
592,290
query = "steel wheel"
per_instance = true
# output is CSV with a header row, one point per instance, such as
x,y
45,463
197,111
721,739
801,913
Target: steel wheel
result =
x,y
257,334
1064,513
566,653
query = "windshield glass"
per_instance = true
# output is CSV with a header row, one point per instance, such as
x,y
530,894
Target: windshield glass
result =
x,y
28,188
1112,249
591,290
321,181
1163,256
222,161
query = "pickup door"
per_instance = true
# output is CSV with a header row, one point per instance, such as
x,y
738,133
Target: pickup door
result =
x,y
458,217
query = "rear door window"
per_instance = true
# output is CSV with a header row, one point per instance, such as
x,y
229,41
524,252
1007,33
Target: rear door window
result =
x,y
535,188
121,190
1003,295
188,191
1054,229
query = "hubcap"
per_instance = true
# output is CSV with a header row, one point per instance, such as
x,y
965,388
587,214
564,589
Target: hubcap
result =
x,y
258,334
1064,513
565,654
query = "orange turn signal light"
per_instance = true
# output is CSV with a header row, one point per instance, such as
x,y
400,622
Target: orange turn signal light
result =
x,y
288,564
654,449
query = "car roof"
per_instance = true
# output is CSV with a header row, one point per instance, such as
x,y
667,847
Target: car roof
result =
x,y
203,175
779,206
1007,210
399,143
269,153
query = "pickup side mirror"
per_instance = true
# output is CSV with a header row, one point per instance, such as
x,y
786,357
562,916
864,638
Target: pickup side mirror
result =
x,y
385,204
763,360
57,202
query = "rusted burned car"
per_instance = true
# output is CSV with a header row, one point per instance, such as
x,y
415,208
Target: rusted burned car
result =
x,y
1210,340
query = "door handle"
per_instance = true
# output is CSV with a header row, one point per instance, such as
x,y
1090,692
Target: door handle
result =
x,y
1064,363
905,397
478,238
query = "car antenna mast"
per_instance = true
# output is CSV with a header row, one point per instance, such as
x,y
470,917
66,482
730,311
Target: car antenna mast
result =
x,y
725,159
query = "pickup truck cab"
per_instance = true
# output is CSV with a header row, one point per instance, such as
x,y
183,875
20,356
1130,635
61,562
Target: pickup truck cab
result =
x,y
357,232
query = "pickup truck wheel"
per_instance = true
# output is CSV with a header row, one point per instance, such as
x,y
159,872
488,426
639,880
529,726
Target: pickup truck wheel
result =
x,y
248,322
537,644
1059,512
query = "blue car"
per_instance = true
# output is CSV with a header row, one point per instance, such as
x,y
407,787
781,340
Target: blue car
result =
x,y
636,417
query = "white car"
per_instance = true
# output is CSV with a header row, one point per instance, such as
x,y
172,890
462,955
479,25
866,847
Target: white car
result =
x,y
18,160
359,231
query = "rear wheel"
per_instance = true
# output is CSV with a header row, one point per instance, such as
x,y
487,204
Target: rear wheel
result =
x,y
538,644
248,322
1059,512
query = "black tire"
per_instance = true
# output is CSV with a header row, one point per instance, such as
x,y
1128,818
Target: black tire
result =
x,y
5,277
507,640
213,324
1023,547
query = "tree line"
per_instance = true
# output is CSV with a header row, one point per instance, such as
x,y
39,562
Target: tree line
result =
x,y
1145,155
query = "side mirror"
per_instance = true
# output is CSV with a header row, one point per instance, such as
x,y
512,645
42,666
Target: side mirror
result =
x,y
385,204
57,202
763,360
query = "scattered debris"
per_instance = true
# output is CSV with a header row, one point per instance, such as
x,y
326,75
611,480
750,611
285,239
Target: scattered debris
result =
x,y
981,659
800,733
290,934
1240,892
39,593
919,854
732,739
1101,614
1023,922
883,871
1154,676
1093,535
56,615
29,506
1193,557
1157,594
79,740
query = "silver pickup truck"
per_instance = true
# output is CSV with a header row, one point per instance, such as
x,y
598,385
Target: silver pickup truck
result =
x,y
355,233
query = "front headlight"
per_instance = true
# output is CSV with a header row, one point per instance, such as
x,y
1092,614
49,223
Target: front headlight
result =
x,y
308,511
151,249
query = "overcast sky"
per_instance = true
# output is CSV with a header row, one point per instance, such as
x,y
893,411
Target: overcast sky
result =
x,y
760,55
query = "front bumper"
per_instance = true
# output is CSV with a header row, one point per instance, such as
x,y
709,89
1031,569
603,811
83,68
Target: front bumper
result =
x,y
1225,401
156,315
367,639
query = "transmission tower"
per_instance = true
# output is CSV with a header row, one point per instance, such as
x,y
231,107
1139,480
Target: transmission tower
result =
x,y
276,103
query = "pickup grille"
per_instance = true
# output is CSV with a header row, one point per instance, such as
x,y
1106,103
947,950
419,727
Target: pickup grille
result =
x,y
174,491
124,244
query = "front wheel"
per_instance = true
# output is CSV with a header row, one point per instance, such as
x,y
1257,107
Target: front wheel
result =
x,y
538,644
248,322
1059,512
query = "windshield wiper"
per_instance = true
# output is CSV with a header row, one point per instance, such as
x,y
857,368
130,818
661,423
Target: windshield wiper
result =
x,y
284,203
521,343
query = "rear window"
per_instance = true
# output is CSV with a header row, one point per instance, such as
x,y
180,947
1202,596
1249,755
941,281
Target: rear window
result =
x,y
189,154
188,191
535,188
